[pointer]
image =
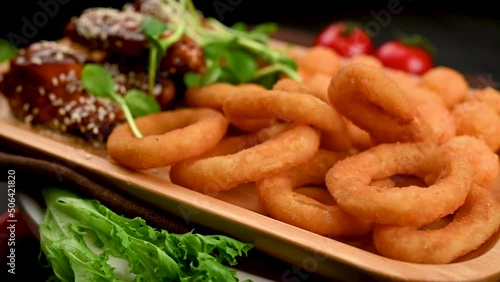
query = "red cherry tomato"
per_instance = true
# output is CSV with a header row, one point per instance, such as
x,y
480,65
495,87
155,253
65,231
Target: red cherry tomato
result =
x,y
346,39
397,55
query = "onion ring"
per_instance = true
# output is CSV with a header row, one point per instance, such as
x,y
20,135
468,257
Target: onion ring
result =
x,y
235,143
282,151
214,95
319,59
291,107
370,60
169,137
448,83
290,85
320,83
472,225
489,95
448,175
434,113
403,79
360,139
314,170
484,161
375,103
280,201
477,118
330,139
251,125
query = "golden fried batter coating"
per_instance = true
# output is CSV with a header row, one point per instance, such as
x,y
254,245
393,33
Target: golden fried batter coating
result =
x,y
484,161
374,102
403,79
320,82
450,84
434,112
489,95
445,172
320,59
290,85
478,119
474,222
365,59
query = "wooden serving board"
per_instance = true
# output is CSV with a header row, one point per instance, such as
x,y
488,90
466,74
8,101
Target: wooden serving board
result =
x,y
237,212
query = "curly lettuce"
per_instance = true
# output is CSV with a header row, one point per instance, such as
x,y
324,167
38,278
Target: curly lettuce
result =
x,y
83,240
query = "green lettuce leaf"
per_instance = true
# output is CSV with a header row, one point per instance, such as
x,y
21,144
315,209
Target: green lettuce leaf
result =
x,y
79,238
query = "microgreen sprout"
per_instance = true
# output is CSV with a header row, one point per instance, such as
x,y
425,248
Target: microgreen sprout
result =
x,y
153,29
97,81
234,54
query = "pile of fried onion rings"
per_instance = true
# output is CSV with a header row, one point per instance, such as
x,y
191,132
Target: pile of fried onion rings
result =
x,y
359,150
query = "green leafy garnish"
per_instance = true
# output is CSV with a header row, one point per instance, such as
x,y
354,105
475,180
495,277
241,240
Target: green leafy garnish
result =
x,y
236,54
83,240
265,28
140,103
97,81
153,29
192,79
241,26
242,64
7,50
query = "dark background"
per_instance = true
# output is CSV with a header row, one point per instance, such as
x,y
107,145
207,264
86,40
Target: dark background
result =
x,y
465,33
